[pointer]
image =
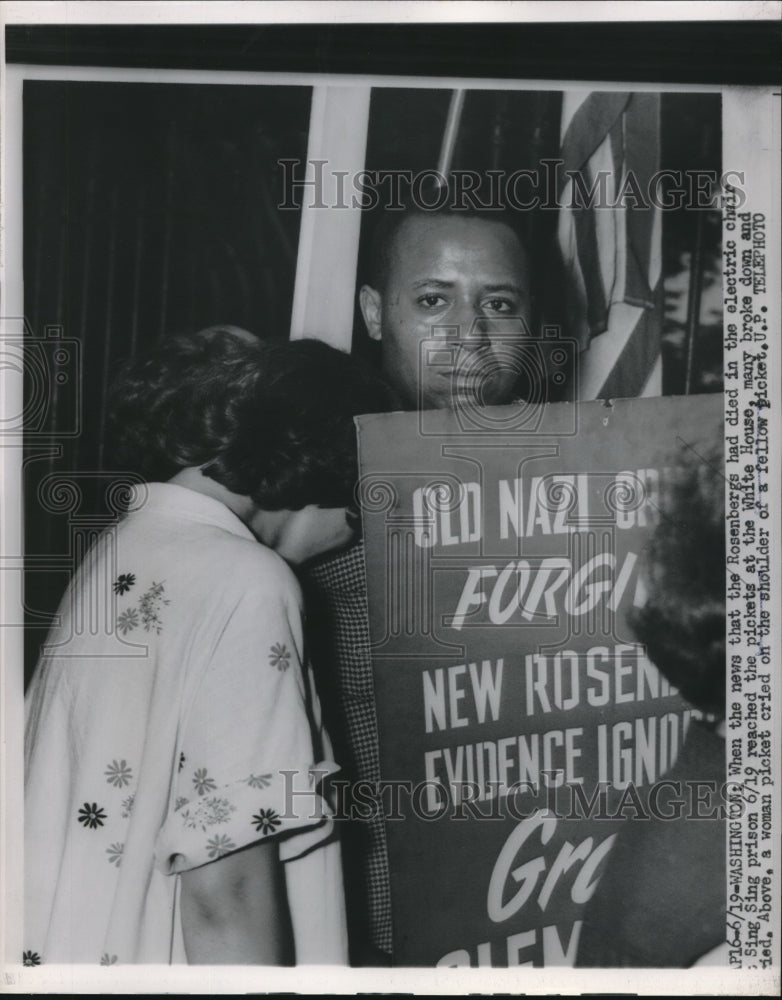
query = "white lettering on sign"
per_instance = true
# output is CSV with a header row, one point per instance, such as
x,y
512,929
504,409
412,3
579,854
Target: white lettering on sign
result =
x,y
530,593
585,856
442,519
443,694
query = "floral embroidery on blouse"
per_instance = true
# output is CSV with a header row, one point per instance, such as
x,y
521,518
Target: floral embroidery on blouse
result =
x,y
219,846
182,760
279,656
118,773
180,801
107,959
150,604
146,612
91,815
31,958
127,805
123,583
265,821
127,621
259,780
114,852
203,782
208,812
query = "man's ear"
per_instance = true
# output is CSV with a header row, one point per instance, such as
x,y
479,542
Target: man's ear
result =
x,y
371,303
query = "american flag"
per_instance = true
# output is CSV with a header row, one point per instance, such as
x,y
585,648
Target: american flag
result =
x,y
611,246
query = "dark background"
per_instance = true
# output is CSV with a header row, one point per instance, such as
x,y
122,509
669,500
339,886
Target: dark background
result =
x,y
721,52
149,210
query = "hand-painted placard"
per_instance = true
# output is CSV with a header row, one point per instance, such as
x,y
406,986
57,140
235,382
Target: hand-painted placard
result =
x,y
520,723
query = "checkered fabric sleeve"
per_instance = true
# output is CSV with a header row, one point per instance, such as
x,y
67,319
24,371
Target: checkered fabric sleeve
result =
x,y
339,584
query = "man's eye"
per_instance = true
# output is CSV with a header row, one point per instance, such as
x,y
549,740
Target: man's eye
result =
x,y
499,305
431,300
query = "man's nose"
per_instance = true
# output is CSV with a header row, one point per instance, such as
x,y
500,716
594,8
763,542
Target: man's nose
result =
x,y
474,328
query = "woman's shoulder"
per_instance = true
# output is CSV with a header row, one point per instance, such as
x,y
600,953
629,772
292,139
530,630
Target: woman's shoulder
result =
x,y
246,560
208,559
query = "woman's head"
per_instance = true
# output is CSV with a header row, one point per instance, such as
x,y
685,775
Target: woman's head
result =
x,y
177,405
682,623
295,444
270,421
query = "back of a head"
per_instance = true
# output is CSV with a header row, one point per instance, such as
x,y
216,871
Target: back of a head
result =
x,y
176,405
269,420
297,442
682,623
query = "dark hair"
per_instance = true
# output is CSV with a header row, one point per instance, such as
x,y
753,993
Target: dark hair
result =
x,y
391,221
682,624
176,405
296,444
273,421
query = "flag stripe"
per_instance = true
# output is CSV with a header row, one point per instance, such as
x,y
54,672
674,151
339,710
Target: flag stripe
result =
x,y
636,360
606,220
590,124
588,251
642,159
575,293
597,363
617,215
611,248
654,382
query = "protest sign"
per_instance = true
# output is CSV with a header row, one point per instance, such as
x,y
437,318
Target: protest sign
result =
x,y
520,723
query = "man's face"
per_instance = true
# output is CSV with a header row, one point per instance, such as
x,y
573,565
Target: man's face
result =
x,y
455,305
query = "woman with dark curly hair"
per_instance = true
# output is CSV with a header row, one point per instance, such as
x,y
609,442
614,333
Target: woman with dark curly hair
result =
x,y
173,743
661,901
